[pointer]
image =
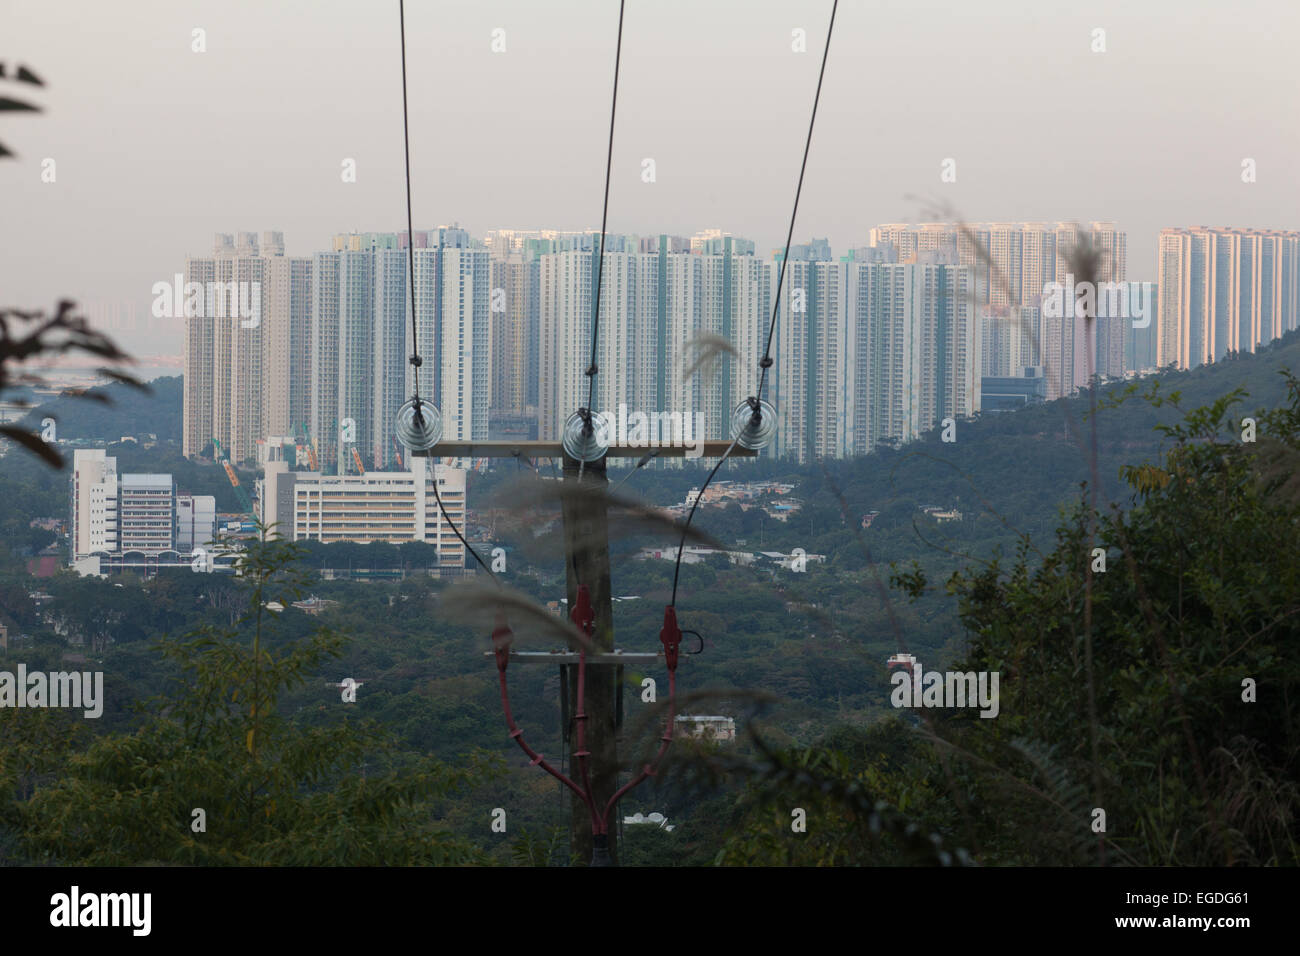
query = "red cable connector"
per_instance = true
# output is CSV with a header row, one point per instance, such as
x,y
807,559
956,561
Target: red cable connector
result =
x,y
671,636
584,618
583,614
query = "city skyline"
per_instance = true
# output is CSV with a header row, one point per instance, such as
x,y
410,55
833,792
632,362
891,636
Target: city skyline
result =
x,y
256,127
135,322
879,342
897,325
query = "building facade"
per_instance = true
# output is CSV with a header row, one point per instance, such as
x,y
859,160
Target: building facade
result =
x,y
132,517
391,506
93,525
1224,290
247,343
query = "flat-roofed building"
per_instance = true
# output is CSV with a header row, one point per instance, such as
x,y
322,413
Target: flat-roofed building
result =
x,y
196,522
94,503
388,506
146,507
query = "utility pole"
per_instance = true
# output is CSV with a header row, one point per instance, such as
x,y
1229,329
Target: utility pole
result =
x,y
586,549
586,558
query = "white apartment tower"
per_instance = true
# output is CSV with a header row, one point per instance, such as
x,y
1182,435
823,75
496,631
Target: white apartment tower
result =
x,y
94,503
453,328
810,377
915,350
658,295
1224,290
361,336
247,346
1011,264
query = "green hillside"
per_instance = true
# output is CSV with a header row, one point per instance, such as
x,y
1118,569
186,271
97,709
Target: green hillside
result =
x,y
123,411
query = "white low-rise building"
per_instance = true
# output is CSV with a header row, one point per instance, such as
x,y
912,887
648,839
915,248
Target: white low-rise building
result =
x,y
707,727
389,506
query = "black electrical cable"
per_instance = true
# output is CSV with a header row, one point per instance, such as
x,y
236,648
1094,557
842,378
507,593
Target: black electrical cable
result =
x,y
416,361
681,546
645,460
604,219
446,517
766,362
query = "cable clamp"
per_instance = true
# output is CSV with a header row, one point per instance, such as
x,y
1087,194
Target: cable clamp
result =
x,y
671,636
584,616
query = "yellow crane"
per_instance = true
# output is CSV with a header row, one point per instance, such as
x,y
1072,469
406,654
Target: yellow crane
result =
x,y
356,456
311,448
244,501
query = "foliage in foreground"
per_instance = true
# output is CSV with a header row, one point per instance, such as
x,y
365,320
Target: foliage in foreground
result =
x,y
270,791
1163,691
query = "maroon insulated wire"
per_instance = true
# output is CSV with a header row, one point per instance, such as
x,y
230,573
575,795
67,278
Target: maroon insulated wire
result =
x,y
501,639
649,769
584,617
671,637
580,717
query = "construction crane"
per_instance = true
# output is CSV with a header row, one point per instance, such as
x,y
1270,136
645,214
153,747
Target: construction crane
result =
x,y
245,502
311,448
356,456
397,450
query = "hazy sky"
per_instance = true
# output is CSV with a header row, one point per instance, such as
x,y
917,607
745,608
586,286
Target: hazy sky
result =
x,y
157,147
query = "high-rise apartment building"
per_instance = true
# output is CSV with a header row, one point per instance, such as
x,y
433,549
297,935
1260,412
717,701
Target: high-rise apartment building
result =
x,y
914,345
1012,265
361,335
463,355
567,280
286,367
1142,344
810,376
870,349
515,308
277,345
659,295
247,343
1224,290
515,327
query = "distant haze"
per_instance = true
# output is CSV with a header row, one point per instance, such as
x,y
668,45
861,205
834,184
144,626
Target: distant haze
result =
x,y
157,147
